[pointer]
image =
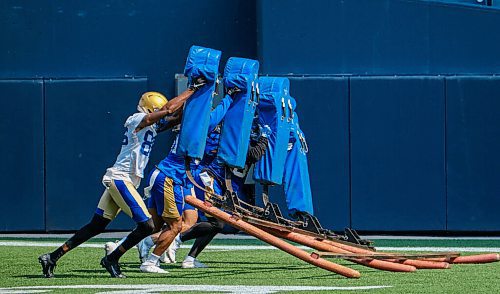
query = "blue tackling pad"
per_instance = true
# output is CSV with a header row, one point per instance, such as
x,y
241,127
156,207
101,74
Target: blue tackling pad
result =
x,y
235,134
273,111
296,182
196,116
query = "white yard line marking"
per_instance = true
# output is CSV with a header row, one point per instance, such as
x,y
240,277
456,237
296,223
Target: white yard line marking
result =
x,y
258,247
156,288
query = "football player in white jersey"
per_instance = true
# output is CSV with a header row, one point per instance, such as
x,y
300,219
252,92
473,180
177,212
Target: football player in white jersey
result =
x,y
121,181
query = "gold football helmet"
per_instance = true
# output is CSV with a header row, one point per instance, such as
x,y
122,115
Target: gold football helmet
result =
x,y
151,102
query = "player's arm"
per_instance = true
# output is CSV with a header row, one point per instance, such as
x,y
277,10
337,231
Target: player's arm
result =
x,y
176,103
218,113
170,121
258,150
173,105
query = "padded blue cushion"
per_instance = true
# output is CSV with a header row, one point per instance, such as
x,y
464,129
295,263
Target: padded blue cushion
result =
x,y
235,135
273,111
196,116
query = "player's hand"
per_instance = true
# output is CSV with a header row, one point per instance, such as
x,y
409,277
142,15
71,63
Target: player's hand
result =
x,y
232,91
198,82
265,131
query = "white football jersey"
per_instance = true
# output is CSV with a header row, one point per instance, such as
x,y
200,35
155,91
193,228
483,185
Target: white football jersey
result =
x,y
134,155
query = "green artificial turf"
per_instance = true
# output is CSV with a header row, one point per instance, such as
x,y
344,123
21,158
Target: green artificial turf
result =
x,y
19,267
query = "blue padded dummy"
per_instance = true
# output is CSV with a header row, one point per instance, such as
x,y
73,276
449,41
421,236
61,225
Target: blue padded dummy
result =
x,y
273,111
196,116
235,134
296,181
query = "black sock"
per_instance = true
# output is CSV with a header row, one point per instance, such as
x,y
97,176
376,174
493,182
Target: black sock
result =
x,y
198,230
96,226
56,254
200,243
142,230
202,240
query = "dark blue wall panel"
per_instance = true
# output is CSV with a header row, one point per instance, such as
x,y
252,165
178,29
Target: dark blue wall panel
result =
x,y
397,153
323,110
380,37
322,106
473,153
84,130
22,174
96,38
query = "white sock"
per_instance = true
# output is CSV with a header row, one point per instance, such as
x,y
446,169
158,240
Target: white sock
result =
x,y
153,258
148,241
178,239
189,258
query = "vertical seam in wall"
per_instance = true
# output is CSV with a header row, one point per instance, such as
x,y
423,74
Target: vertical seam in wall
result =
x,y
446,148
349,146
44,112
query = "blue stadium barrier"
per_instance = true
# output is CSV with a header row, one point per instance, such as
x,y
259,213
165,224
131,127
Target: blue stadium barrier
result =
x,y
380,37
322,104
473,153
84,129
22,168
397,153
108,38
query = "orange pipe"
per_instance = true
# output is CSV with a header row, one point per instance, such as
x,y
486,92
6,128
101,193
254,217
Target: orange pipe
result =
x,y
313,243
268,238
420,264
479,258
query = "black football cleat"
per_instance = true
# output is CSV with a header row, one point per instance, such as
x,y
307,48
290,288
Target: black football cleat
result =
x,y
112,267
48,265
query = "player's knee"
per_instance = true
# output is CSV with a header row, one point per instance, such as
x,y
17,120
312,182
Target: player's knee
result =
x,y
147,227
98,223
216,224
176,225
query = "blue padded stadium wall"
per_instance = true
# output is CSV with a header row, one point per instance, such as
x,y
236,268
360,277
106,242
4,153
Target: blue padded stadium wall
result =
x,y
22,149
473,153
398,99
84,130
416,163
106,38
383,37
90,53
397,131
323,109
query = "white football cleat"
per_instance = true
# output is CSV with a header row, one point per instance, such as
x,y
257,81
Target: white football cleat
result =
x,y
164,257
110,247
150,267
193,264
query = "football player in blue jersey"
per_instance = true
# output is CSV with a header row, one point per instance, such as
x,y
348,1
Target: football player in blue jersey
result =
x,y
122,180
169,186
212,176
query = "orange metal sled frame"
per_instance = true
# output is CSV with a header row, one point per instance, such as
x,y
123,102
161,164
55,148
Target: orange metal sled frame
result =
x,y
270,239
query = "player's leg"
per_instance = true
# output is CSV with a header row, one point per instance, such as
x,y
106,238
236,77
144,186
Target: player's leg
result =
x,y
211,228
105,212
204,231
189,219
155,193
170,206
128,199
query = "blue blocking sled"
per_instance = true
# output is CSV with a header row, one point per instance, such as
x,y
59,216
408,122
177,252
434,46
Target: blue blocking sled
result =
x,y
196,116
274,111
296,182
235,134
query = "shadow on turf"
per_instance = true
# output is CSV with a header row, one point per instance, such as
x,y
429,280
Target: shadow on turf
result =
x,y
63,276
